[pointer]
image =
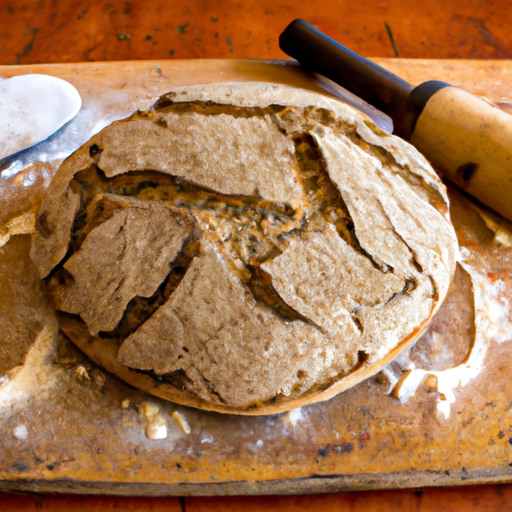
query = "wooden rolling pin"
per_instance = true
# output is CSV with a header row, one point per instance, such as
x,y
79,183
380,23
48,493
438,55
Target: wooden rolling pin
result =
x,y
466,138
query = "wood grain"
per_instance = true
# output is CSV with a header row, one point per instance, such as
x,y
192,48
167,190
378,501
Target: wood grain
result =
x,y
471,499
37,31
362,439
490,498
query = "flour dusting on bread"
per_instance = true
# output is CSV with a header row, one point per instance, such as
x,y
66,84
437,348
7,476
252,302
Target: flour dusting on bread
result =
x,y
247,248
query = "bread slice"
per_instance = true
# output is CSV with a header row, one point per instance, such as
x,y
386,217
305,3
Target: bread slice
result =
x,y
245,248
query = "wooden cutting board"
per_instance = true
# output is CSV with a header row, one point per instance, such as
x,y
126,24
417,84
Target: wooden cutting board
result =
x,y
69,426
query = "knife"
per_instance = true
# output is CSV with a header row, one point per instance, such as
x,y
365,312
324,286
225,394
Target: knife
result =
x,y
466,138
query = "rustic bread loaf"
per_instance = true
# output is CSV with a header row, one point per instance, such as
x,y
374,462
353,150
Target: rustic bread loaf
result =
x,y
245,248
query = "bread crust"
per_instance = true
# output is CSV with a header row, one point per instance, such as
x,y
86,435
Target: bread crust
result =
x,y
316,247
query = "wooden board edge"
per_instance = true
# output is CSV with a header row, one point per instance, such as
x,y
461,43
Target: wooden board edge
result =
x,y
316,484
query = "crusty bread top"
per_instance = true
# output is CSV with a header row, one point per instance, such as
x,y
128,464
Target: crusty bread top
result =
x,y
253,154
274,240
24,309
127,255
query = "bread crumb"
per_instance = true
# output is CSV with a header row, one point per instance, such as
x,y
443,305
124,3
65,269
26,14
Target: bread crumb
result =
x,y
431,382
156,426
148,411
386,376
293,416
182,422
81,371
125,404
503,237
157,429
20,432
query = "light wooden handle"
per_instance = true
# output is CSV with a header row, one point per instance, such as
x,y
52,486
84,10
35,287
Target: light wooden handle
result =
x,y
470,142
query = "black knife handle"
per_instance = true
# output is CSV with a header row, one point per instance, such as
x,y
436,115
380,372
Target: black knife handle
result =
x,y
466,138
374,84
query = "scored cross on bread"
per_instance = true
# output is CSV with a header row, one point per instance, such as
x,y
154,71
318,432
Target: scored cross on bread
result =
x,y
245,248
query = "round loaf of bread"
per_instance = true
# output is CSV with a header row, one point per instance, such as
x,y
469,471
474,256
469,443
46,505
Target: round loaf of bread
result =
x,y
245,248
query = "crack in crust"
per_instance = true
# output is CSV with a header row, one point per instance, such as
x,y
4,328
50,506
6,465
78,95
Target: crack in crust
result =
x,y
297,252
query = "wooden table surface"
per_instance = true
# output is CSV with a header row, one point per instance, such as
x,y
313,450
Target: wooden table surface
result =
x,y
42,31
